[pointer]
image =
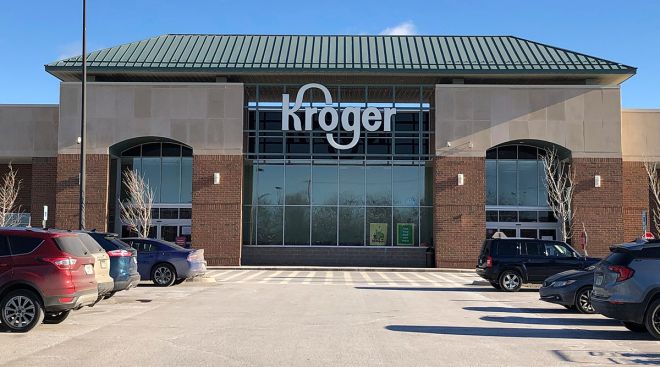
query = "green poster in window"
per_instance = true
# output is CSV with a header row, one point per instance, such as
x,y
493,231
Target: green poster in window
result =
x,y
377,234
405,234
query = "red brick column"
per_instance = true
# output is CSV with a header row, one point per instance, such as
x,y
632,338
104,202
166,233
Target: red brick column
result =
x,y
599,208
635,199
96,198
216,209
459,226
44,186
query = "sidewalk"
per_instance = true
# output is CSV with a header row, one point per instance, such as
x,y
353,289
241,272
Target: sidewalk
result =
x,y
339,268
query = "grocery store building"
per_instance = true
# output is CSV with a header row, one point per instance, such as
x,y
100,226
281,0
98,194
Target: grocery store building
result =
x,y
338,150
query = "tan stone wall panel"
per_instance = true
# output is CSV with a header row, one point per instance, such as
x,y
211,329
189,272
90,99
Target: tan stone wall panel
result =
x,y
205,116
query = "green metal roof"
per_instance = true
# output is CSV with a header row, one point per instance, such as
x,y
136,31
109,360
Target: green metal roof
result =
x,y
291,53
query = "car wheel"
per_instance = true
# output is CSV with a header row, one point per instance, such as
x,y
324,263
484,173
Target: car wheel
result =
x,y
56,317
633,326
510,281
163,275
652,319
21,311
495,285
583,301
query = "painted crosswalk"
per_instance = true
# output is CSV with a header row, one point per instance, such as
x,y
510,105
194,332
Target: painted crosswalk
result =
x,y
339,277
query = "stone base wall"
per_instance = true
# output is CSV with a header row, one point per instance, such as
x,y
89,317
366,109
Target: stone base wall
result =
x,y
216,209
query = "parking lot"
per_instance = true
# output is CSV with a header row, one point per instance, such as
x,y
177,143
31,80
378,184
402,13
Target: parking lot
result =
x,y
329,318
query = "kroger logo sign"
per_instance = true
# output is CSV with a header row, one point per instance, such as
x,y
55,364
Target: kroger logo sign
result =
x,y
370,118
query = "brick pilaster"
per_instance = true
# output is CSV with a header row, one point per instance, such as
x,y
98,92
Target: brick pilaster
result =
x,y
96,198
44,186
635,199
599,208
216,209
459,211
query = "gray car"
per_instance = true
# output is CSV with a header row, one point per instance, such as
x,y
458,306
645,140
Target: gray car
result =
x,y
627,286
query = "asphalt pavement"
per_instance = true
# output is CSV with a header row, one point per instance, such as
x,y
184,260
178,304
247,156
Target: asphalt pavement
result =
x,y
329,318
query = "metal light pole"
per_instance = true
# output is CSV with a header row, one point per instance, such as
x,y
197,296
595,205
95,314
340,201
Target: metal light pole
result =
x,y
83,119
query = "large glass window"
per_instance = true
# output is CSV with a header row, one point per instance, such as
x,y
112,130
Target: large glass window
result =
x,y
300,191
167,168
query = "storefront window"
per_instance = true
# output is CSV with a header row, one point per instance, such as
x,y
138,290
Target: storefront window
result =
x,y
300,191
166,167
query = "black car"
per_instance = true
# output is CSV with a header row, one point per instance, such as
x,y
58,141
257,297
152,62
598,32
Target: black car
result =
x,y
571,289
508,263
123,261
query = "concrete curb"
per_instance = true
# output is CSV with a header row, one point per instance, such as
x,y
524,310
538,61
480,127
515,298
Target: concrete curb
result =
x,y
337,268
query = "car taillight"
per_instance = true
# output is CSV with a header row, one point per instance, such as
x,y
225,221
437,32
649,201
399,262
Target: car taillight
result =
x,y
120,253
623,272
63,263
489,262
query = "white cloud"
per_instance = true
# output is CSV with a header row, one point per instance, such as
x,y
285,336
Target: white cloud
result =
x,y
70,49
406,28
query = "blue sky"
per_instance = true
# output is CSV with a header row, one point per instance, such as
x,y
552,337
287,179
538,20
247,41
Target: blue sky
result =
x,y
33,33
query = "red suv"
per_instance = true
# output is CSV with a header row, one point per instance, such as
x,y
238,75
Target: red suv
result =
x,y
43,276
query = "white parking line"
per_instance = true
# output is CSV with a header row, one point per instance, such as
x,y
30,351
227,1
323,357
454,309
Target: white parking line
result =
x,y
328,278
347,277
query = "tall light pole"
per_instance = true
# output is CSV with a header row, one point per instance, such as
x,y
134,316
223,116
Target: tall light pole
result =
x,y
83,118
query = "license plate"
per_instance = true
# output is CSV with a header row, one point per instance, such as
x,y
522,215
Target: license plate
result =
x,y
599,279
89,269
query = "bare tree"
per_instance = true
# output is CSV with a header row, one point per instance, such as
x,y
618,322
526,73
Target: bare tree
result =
x,y
136,208
654,187
559,182
9,189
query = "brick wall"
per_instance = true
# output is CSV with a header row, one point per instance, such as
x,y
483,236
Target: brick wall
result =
x,y
24,174
216,209
459,211
96,198
635,199
44,185
599,208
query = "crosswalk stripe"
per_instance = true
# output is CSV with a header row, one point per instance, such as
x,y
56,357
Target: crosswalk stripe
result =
x,y
251,276
407,280
309,277
367,278
268,278
440,278
347,277
387,278
328,278
456,277
286,280
423,277
238,273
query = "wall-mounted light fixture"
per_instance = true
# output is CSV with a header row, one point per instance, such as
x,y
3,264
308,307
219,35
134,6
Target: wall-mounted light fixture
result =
x,y
597,181
461,179
449,144
78,140
216,178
